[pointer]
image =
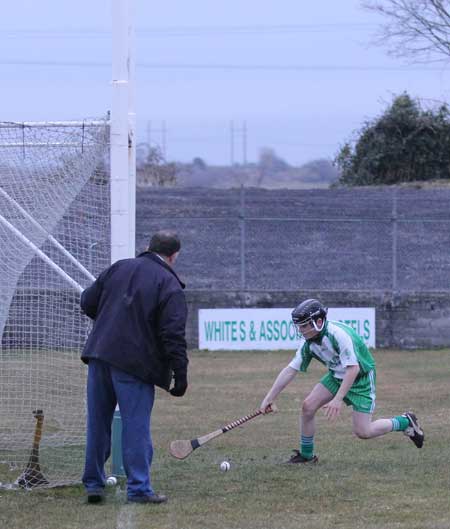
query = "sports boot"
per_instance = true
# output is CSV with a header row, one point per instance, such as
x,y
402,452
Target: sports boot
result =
x,y
96,496
298,458
414,431
153,498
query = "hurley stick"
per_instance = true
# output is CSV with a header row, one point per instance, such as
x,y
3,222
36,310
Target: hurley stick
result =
x,y
182,448
32,475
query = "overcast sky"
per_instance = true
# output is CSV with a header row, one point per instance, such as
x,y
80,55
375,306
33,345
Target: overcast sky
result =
x,y
301,75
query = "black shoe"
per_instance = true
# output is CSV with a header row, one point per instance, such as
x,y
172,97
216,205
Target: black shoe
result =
x,y
154,498
96,496
298,458
414,431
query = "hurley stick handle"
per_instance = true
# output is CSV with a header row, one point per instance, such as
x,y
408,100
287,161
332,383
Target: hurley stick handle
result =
x,y
240,421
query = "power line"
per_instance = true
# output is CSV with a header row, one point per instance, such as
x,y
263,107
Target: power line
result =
x,y
217,140
286,67
194,31
230,66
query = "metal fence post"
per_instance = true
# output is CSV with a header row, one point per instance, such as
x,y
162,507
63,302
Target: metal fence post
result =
x,y
394,241
242,227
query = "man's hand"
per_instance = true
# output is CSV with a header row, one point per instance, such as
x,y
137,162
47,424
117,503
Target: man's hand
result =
x,y
180,385
333,408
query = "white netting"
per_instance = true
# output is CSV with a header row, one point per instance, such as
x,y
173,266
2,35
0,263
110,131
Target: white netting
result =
x,y
54,188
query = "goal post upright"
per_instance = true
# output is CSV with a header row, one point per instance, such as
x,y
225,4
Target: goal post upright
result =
x,y
123,150
123,161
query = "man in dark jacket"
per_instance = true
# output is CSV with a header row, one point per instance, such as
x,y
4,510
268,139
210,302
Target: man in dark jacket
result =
x,y
137,342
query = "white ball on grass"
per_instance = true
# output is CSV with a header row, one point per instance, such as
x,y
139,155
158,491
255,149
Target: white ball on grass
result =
x,y
111,481
225,466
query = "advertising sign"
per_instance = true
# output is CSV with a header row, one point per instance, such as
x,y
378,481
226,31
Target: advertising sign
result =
x,y
266,329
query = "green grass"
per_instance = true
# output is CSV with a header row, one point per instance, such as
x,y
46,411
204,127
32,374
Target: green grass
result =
x,y
384,483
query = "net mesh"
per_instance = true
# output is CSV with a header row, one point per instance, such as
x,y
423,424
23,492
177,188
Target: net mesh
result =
x,y
54,199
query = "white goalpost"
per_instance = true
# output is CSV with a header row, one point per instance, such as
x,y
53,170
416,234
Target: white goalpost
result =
x,y
123,125
67,210
123,163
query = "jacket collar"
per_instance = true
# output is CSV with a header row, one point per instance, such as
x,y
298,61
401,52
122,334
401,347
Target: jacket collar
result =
x,y
156,259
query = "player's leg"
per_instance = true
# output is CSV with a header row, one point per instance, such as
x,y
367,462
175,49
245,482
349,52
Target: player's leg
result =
x,y
365,428
319,396
362,397
101,402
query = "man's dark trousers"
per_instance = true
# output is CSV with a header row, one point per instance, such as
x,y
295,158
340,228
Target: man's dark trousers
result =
x,y
107,386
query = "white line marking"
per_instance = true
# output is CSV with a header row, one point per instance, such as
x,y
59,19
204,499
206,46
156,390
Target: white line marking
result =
x,y
125,518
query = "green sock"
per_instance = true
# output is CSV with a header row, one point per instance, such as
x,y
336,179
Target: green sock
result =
x,y
307,446
399,423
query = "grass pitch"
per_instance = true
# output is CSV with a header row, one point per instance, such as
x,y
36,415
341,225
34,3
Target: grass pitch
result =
x,y
384,483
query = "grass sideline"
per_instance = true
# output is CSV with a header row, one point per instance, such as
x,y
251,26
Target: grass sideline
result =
x,y
384,483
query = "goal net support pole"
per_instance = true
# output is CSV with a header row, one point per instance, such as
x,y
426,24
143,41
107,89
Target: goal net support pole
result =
x,y
42,255
48,236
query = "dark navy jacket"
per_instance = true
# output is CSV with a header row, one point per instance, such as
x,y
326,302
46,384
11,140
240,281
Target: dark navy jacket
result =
x,y
139,312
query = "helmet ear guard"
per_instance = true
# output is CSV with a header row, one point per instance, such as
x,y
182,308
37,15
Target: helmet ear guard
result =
x,y
309,311
316,327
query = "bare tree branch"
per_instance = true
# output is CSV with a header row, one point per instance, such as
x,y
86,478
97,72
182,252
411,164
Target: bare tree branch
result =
x,y
415,29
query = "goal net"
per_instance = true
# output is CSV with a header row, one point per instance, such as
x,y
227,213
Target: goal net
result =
x,y
54,237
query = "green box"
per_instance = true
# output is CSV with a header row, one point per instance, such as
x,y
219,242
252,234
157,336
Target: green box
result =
x,y
116,446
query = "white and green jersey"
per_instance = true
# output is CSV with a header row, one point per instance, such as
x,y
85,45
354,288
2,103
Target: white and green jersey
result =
x,y
338,346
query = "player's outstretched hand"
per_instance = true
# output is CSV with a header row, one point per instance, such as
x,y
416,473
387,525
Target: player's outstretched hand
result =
x,y
333,409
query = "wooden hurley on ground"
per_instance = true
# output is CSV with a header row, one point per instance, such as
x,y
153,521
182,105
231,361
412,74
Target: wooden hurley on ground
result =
x,y
32,476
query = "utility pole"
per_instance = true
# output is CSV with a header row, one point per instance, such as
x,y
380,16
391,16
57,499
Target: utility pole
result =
x,y
231,143
234,133
164,139
244,143
149,133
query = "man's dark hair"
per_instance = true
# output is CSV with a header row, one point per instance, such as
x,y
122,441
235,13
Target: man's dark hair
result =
x,y
165,243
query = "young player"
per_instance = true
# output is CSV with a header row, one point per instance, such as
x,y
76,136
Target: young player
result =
x,y
350,379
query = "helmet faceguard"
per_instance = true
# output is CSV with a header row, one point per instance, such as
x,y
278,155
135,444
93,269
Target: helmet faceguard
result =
x,y
305,318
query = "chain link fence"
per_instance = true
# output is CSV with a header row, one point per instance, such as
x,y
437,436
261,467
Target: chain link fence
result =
x,y
391,239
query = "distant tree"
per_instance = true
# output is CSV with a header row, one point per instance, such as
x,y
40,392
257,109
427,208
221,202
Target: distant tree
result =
x,y
268,159
405,144
320,171
199,163
417,29
152,168
268,164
